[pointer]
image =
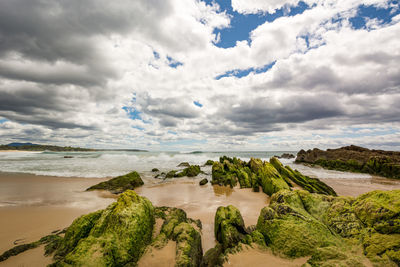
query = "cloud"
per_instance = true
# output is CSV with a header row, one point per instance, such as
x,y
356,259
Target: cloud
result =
x,y
69,68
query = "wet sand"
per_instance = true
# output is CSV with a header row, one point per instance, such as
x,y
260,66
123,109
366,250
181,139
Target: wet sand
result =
x,y
359,186
201,202
260,257
33,206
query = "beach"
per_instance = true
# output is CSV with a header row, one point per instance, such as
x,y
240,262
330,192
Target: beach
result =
x,y
32,206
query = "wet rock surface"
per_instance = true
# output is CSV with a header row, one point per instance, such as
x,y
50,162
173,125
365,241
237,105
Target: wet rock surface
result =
x,y
120,184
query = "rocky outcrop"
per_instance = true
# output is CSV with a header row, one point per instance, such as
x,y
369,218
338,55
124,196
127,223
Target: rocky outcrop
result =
x,y
184,231
116,236
209,162
285,156
271,176
355,159
119,184
203,181
191,171
329,228
229,226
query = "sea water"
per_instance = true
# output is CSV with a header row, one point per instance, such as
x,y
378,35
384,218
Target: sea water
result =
x,y
113,163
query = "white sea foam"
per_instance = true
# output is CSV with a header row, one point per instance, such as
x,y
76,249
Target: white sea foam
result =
x,y
114,163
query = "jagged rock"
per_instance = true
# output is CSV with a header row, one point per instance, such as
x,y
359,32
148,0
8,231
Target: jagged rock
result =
x,y
285,156
191,171
270,179
312,185
119,184
229,226
116,236
355,159
203,181
209,162
298,223
186,233
184,164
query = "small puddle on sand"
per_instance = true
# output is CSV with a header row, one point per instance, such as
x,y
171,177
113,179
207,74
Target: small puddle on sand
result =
x,y
201,202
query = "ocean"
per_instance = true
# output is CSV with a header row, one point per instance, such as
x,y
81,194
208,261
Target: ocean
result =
x,y
101,164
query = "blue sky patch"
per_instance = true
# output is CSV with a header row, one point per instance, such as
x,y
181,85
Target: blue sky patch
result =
x,y
132,113
242,25
245,72
138,127
156,55
364,13
173,63
197,103
3,121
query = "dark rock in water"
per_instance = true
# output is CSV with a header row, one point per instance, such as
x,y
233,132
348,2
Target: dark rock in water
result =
x,y
184,164
354,159
191,171
119,184
209,162
229,226
155,170
285,156
68,157
116,236
203,182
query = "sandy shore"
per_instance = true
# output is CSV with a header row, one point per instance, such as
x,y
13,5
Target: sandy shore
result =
x,y
33,206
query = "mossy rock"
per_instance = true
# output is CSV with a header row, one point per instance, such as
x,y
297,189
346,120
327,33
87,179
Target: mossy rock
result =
x,y
380,210
381,247
120,184
203,181
229,226
191,171
184,231
209,162
184,164
155,170
270,179
116,236
290,230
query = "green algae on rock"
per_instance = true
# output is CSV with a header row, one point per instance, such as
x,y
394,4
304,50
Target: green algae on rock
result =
x,y
203,181
312,185
184,231
271,176
229,226
354,159
119,184
209,162
191,171
116,236
332,229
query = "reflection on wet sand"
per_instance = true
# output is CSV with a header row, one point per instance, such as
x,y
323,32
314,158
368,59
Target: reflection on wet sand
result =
x,y
201,202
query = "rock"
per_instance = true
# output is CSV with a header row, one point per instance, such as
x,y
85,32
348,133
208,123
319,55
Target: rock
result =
x,y
191,171
184,164
213,257
229,226
186,233
116,236
355,159
119,184
298,223
285,156
312,185
270,179
203,181
209,162
155,170
68,157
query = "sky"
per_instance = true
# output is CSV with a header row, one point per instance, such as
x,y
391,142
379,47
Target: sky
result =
x,y
200,75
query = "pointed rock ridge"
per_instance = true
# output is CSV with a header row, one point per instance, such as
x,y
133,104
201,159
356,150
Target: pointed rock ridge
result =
x,y
271,176
354,159
119,184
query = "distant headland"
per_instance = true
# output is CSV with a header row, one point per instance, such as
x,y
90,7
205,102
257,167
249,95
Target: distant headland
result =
x,y
39,147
